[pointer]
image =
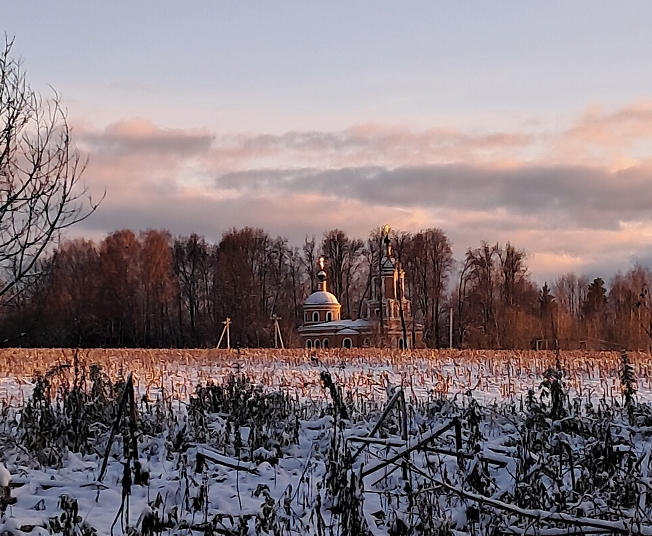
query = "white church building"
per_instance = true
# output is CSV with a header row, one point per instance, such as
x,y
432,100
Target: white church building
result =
x,y
323,326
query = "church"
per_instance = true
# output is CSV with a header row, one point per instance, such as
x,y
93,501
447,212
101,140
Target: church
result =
x,y
387,318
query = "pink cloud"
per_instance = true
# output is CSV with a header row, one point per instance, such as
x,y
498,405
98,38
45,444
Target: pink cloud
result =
x,y
573,197
364,145
615,138
138,136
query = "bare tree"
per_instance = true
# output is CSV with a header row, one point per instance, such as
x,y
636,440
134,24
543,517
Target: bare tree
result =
x,y
160,287
570,292
628,306
463,297
481,280
513,269
296,273
40,170
428,260
513,286
344,255
401,242
309,259
192,259
334,247
354,258
440,258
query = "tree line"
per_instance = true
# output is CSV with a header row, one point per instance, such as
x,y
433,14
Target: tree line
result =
x,y
155,290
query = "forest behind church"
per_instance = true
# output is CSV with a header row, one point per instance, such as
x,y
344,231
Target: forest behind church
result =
x,y
155,290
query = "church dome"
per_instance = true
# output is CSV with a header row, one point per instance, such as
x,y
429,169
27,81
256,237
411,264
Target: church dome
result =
x,y
322,297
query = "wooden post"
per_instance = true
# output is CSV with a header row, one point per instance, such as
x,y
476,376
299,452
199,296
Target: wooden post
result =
x,y
278,338
225,330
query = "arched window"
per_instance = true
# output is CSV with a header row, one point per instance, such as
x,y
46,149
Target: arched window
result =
x,y
367,342
329,316
306,317
315,316
325,344
317,344
308,344
347,343
400,344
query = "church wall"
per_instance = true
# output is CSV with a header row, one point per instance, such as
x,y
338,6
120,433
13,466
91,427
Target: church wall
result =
x,y
392,281
315,314
337,341
389,289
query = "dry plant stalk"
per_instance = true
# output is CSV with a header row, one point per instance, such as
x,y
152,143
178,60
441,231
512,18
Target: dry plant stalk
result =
x,y
176,372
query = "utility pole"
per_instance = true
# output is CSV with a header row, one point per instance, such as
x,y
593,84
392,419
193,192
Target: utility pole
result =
x,y
278,338
226,330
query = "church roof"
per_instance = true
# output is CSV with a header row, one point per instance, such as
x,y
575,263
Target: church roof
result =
x,y
387,265
339,327
322,297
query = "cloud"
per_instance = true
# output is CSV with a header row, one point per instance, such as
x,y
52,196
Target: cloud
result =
x,y
584,196
616,138
364,145
138,137
575,198
615,129
211,217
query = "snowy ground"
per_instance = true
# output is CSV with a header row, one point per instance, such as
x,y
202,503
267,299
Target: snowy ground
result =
x,y
229,492
365,373
284,467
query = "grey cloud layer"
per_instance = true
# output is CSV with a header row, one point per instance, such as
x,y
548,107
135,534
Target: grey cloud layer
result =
x,y
137,137
375,138
587,196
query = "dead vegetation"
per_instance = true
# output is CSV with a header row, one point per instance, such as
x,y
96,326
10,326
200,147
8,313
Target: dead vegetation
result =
x,y
547,461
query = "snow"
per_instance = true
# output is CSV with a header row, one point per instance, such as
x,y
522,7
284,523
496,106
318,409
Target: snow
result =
x,y
321,297
5,476
290,473
490,374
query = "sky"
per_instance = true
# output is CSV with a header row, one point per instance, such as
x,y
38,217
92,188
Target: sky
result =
x,y
527,122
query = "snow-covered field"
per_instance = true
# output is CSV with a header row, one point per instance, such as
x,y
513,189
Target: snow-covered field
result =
x,y
364,372
268,448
